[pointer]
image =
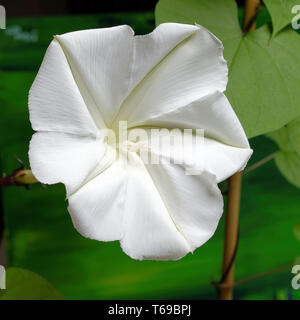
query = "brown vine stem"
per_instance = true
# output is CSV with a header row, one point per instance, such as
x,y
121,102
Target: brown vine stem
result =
x,y
234,191
231,235
250,14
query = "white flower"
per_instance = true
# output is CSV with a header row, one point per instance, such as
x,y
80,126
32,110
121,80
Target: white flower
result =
x,y
173,77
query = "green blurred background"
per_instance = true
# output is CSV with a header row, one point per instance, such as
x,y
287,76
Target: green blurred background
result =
x,y
39,235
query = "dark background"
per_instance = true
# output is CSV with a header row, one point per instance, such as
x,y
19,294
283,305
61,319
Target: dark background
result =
x,y
17,8
41,7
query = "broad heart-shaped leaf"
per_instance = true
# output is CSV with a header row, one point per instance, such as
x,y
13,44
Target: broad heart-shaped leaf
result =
x,y
264,71
288,158
26,285
264,79
281,12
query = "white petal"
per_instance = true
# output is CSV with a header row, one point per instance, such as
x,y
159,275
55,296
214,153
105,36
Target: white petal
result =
x,y
97,208
224,160
55,102
59,157
149,232
213,113
209,155
194,202
151,49
193,69
101,60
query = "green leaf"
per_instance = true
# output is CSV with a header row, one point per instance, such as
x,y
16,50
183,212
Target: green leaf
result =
x,y
281,12
293,129
288,137
296,230
288,164
25,285
288,158
264,79
281,137
264,71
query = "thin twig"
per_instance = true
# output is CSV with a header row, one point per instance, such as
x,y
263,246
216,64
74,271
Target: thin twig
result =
x,y
260,163
253,277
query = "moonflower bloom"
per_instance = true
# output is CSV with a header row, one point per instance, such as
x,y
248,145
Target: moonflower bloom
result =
x,y
173,77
